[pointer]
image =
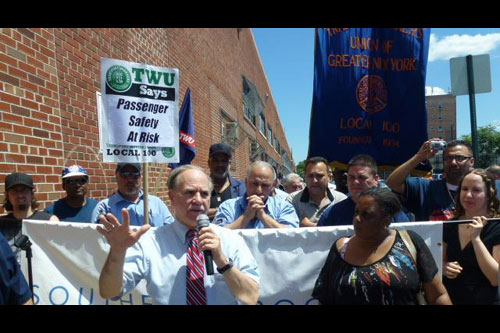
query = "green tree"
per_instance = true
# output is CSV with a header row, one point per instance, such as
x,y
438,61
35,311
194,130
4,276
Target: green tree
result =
x,y
488,139
301,169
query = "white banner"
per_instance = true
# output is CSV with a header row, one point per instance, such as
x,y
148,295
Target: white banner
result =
x,y
139,115
68,257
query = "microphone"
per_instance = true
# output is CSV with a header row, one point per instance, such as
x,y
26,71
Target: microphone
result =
x,y
22,242
203,221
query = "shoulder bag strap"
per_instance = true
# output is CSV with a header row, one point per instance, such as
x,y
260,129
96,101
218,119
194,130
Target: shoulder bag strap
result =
x,y
413,251
409,244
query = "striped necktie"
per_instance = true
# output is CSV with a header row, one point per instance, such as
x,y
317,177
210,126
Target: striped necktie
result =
x,y
195,287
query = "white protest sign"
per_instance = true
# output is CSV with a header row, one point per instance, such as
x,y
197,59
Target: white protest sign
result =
x,y
139,112
68,257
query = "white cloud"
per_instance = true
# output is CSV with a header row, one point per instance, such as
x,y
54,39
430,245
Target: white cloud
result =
x,y
432,91
461,45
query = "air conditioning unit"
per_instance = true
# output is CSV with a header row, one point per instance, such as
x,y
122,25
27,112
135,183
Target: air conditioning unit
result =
x,y
255,150
233,134
232,131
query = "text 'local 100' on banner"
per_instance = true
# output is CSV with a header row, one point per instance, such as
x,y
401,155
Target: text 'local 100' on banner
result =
x,y
139,117
369,95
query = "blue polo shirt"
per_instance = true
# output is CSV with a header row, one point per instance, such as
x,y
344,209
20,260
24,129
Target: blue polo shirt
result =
x,y
342,213
281,211
159,213
429,200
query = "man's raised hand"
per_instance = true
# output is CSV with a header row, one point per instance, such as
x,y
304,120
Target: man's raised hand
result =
x,y
120,236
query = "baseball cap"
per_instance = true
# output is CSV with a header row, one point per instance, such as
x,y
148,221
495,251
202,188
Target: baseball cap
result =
x,y
120,166
220,148
18,178
74,170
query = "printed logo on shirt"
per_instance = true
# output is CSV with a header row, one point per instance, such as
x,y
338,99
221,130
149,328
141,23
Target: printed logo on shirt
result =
x,y
219,220
441,215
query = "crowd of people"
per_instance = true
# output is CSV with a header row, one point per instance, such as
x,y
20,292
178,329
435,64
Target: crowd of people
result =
x,y
377,265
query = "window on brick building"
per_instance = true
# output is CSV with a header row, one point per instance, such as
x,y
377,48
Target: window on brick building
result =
x,y
262,124
252,103
249,114
223,129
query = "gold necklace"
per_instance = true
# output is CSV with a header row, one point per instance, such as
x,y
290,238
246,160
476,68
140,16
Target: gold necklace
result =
x,y
451,196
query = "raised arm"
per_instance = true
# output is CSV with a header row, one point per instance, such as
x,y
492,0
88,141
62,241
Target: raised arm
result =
x,y
396,180
120,237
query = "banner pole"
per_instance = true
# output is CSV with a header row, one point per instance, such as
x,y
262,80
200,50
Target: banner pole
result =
x,y
146,190
469,221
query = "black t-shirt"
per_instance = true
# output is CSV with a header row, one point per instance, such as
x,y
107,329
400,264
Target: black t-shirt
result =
x,y
10,227
471,286
394,279
217,198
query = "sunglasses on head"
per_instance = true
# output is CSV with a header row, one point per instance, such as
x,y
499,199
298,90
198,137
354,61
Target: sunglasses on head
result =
x,y
79,181
127,174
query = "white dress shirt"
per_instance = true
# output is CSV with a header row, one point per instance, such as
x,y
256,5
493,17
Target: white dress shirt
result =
x,y
159,257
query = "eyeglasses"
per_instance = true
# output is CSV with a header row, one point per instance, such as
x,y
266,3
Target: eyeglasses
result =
x,y
79,181
458,158
127,174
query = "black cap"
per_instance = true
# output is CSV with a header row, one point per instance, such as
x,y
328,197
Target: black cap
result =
x,y
220,148
18,178
120,166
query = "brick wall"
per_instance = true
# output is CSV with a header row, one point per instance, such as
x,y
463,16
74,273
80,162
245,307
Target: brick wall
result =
x,y
48,84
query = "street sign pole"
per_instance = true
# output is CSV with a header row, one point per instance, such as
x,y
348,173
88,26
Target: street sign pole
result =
x,y
472,103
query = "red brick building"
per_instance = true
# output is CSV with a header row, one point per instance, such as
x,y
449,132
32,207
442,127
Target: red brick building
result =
x,y
441,122
442,116
48,111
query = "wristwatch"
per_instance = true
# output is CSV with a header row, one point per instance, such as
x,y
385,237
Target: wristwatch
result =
x,y
227,267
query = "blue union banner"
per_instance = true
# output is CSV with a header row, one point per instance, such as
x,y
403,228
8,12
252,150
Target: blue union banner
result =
x,y
369,94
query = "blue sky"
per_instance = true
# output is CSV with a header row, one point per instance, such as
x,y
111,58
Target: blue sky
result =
x,y
288,58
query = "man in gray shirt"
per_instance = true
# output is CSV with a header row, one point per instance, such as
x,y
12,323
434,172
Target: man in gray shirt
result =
x,y
310,203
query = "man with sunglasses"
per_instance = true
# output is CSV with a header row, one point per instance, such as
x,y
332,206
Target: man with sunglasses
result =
x,y
433,200
76,206
131,196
